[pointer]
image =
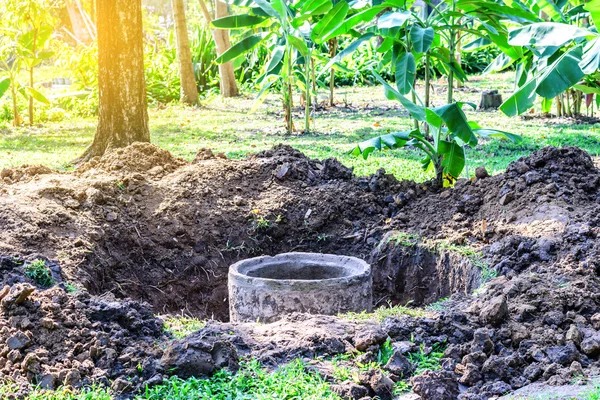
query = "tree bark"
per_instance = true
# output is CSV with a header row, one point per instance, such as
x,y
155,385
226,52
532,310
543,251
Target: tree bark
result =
x,y
189,90
122,111
227,80
78,24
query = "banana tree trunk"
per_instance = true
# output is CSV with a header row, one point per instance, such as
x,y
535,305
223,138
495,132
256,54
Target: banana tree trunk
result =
x,y
227,80
189,89
332,53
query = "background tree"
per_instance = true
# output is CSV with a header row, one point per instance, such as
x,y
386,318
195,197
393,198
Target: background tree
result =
x,y
227,82
122,112
189,90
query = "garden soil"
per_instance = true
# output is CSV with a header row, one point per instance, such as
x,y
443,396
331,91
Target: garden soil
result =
x,y
143,233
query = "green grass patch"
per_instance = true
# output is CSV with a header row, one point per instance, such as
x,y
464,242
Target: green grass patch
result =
x,y
89,393
225,125
181,326
252,381
39,272
291,381
384,312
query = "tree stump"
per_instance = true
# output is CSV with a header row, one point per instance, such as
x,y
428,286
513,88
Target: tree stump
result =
x,y
490,99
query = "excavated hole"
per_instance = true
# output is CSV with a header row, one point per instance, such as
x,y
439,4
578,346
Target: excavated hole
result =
x,y
405,275
298,272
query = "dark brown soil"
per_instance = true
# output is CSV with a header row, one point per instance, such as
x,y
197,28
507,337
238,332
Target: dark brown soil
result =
x,y
165,232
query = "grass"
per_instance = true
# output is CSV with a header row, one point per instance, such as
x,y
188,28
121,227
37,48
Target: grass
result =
x,y
384,312
290,381
39,272
89,393
181,326
225,126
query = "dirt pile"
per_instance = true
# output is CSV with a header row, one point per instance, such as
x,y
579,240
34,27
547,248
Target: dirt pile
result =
x,y
51,338
165,232
185,228
139,157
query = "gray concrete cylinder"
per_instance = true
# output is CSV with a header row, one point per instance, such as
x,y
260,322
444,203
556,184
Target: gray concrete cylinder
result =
x,y
264,289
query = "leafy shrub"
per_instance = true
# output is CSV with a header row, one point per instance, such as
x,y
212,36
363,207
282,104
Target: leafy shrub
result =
x,y
39,272
474,62
204,54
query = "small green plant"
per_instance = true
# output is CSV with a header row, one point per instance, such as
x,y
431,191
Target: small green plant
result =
x,y
259,221
342,372
427,361
439,305
404,239
449,128
71,287
402,387
182,325
385,352
39,272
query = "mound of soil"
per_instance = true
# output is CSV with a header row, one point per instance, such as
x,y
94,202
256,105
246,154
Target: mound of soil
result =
x,y
139,157
24,172
165,232
52,338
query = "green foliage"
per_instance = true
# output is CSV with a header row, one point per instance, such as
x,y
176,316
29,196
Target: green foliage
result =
x,y
71,287
439,305
39,272
427,361
26,27
385,352
404,239
290,381
181,326
450,131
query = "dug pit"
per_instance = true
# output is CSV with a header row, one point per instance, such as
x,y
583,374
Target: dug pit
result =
x,y
267,288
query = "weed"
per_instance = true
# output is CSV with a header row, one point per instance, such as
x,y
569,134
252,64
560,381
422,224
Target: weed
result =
x,y
342,372
439,305
427,361
181,326
71,287
385,352
322,238
404,239
39,272
402,387
259,222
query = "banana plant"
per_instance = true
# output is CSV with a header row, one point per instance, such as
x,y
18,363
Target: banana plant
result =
x,y
292,33
13,58
450,133
33,23
554,49
410,41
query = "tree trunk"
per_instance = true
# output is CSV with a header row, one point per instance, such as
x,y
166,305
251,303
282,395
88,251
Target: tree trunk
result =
x,y
122,111
490,99
78,25
332,53
227,80
189,90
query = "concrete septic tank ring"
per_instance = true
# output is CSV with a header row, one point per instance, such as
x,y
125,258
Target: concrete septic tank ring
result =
x,y
267,288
